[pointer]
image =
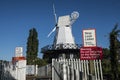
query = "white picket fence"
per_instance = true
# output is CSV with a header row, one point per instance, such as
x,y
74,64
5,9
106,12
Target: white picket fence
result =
x,y
75,69
62,69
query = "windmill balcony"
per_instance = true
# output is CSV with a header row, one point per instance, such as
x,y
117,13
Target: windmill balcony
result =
x,y
60,47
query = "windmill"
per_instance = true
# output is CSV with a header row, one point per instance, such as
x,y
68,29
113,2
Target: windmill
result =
x,y
63,45
64,29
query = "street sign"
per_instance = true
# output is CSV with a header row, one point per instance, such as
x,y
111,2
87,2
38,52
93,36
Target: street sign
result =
x,y
89,38
91,53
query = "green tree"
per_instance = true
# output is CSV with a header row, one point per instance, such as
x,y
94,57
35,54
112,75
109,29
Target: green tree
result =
x,y
41,62
32,47
114,51
106,61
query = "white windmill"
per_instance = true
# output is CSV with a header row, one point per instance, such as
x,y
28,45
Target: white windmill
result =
x,y
63,45
63,30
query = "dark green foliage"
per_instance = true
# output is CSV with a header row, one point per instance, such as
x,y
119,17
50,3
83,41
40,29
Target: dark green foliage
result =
x,y
48,57
32,47
106,61
41,62
110,64
114,46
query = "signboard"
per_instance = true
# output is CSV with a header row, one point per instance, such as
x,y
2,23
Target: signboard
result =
x,y
91,53
18,51
89,37
30,69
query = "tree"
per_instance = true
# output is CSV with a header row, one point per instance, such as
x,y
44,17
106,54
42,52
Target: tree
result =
x,y
32,47
114,51
106,61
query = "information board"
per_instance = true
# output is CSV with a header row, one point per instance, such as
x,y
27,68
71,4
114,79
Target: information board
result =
x,y
91,53
89,37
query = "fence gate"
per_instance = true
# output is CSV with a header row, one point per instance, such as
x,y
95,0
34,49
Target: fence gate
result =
x,y
76,69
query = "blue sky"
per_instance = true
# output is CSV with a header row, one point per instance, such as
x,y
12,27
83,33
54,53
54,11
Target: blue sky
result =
x,y
18,16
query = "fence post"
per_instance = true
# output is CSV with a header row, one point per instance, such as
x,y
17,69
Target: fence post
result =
x,y
95,69
52,69
72,69
98,70
101,70
85,69
64,72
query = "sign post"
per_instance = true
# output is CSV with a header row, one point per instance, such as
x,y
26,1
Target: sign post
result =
x,y
91,52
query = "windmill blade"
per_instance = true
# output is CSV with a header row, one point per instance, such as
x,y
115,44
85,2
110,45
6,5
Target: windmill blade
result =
x,y
55,16
52,31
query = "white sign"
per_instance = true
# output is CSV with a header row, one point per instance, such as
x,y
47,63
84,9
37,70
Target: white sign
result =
x,y
89,38
30,69
18,51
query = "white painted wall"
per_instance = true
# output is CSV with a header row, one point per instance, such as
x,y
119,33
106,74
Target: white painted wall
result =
x,y
21,70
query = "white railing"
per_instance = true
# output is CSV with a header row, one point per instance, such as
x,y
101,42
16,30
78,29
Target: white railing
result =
x,y
76,69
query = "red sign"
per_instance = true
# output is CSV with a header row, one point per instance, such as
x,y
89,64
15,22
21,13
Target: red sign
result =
x,y
91,53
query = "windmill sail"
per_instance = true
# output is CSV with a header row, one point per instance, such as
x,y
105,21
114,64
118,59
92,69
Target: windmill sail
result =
x,y
51,31
55,17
